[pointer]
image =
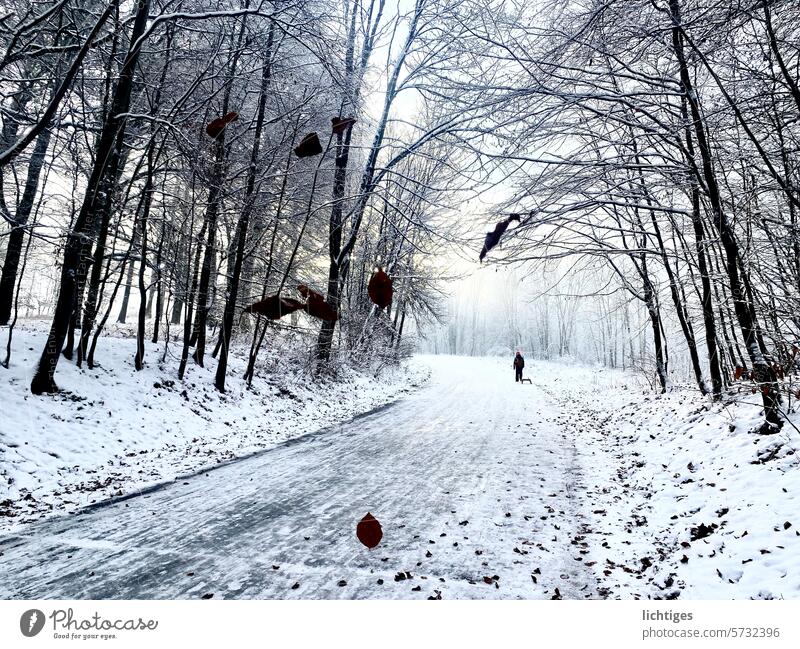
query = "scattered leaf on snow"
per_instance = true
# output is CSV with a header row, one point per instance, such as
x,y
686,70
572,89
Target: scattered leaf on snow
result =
x,y
369,531
702,531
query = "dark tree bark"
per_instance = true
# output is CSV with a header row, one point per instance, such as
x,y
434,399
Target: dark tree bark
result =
x,y
148,201
16,237
333,298
709,322
244,219
159,288
192,271
680,307
148,192
126,292
763,373
213,205
105,168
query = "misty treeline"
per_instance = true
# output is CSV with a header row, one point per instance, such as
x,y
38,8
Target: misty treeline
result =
x,y
656,142
149,174
564,313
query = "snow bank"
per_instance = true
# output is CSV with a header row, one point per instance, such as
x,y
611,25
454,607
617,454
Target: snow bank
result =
x,y
114,431
687,501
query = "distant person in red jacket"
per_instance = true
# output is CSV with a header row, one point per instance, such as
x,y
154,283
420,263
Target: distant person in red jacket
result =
x,y
519,363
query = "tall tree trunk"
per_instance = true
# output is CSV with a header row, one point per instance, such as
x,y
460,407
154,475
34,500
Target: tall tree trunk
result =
x,y
148,192
763,373
244,219
126,293
659,342
191,274
159,288
138,360
212,213
17,235
204,286
74,265
337,266
709,322
680,307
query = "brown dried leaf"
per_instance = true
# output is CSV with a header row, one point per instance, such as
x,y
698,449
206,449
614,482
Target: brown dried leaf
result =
x,y
369,531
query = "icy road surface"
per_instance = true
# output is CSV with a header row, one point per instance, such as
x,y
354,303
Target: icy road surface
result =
x,y
475,481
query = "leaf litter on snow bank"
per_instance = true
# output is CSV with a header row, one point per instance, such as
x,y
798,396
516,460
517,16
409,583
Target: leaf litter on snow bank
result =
x,y
684,485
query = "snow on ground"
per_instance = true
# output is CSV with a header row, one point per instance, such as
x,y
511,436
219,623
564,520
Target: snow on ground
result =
x,y
582,485
698,505
114,431
474,479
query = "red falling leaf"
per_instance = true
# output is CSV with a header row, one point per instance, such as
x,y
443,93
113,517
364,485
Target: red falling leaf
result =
x,y
308,292
380,289
218,125
369,531
340,124
275,307
308,146
316,306
493,237
737,374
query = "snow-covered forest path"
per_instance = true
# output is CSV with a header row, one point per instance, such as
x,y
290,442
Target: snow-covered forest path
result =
x,y
475,479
